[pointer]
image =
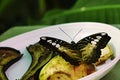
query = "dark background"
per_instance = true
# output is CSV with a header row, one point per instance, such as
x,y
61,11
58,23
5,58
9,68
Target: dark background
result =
x,y
51,12
27,12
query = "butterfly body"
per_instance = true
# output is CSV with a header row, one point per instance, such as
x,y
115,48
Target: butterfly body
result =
x,y
86,50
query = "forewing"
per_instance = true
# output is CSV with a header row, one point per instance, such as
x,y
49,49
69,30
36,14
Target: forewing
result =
x,y
63,48
99,39
52,43
90,46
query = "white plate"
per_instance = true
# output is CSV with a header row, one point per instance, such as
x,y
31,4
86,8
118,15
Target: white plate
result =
x,y
86,28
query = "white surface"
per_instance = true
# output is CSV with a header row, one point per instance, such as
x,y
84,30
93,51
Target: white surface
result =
x,y
86,28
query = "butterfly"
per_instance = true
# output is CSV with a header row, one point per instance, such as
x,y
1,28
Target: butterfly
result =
x,y
86,50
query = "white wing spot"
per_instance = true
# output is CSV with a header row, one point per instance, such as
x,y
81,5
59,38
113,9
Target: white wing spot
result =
x,y
54,44
43,38
57,45
49,41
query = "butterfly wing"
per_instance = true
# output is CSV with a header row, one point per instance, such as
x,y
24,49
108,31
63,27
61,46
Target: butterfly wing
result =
x,y
90,46
53,43
99,39
62,47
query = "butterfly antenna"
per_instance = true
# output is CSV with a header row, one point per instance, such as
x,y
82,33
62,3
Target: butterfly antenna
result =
x,y
65,33
77,34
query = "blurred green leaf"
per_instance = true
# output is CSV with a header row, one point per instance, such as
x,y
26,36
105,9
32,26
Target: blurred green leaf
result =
x,y
53,13
4,4
42,6
94,3
105,11
28,12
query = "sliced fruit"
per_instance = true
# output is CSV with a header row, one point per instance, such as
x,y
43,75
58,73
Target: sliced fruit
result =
x,y
8,56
